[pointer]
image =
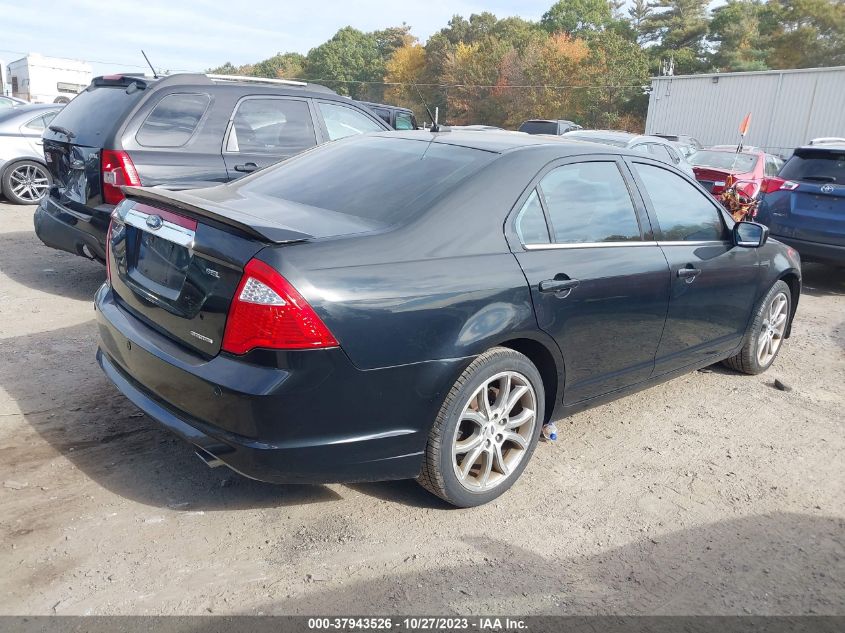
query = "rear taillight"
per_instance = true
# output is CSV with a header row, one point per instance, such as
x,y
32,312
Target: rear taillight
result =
x,y
778,184
268,312
118,170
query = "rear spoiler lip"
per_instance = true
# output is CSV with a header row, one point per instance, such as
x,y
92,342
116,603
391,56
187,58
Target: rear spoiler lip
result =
x,y
251,225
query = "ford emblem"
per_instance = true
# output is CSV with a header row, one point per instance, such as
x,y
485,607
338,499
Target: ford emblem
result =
x,y
154,222
827,188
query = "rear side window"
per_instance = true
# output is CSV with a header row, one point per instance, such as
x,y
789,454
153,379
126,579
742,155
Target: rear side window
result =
x,y
39,123
173,120
815,166
683,212
386,180
280,127
539,127
531,222
342,121
589,202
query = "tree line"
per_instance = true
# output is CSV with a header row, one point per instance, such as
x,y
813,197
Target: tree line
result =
x,y
584,60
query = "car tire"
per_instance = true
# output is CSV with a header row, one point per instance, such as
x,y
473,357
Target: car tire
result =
x,y
765,335
498,437
35,173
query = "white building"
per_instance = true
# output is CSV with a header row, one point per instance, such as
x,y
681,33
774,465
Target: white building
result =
x,y
788,107
42,79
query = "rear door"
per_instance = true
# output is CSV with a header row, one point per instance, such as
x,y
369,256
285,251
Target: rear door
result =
x,y
713,283
599,282
264,130
815,210
174,141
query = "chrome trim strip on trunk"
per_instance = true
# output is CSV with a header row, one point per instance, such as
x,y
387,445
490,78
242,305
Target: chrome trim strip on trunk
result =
x,y
167,231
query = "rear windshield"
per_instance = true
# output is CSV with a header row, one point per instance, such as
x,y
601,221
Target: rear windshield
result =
x,y
815,166
386,180
539,127
94,114
724,160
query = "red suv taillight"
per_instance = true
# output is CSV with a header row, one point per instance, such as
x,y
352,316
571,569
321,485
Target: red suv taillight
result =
x,y
118,170
778,184
268,312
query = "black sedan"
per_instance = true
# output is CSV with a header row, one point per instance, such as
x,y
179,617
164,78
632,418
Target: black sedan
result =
x,y
418,305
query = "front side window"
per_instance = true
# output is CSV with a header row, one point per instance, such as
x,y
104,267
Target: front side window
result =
x,y
173,121
280,127
589,202
342,121
683,212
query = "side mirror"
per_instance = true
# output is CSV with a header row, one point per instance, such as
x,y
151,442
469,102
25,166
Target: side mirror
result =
x,y
750,234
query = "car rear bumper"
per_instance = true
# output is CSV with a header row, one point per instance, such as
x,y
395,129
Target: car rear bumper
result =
x,y
313,419
815,251
61,228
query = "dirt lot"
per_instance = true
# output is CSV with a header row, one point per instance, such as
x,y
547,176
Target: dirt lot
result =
x,y
714,493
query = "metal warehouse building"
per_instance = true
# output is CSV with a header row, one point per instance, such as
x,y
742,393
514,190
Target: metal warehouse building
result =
x,y
788,107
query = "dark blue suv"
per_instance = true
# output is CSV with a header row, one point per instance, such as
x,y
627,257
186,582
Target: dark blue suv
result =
x,y
805,205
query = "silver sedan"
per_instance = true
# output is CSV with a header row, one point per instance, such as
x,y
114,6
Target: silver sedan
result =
x,y
24,178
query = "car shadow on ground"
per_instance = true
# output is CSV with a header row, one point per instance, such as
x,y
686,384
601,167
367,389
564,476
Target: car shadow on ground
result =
x,y
779,563
821,280
65,397
25,260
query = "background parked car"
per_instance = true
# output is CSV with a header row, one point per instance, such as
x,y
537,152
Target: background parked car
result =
x,y
713,166
396,117
548,126
654,146
688,145
178,132
24,177
804,205
11,102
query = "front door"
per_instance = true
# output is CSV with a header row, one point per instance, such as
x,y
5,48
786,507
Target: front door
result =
x,y
599,282
265,130
714,283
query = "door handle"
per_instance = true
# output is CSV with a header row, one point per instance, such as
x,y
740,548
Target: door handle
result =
x,y
559,285
689,273
246,167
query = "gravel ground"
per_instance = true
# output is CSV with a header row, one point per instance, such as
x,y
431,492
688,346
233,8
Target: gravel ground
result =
x,y
712,494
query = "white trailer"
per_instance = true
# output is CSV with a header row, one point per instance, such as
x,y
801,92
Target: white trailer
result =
x,y
40,79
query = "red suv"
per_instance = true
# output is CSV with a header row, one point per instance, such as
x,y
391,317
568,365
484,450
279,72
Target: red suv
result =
x,y
715,165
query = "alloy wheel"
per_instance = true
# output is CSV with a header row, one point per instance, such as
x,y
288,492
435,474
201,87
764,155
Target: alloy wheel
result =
x,y
494,431
772,329
29,182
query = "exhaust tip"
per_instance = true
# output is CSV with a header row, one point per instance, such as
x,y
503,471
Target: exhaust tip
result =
x,y
208,459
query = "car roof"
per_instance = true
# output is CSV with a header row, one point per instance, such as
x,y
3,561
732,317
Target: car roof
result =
x,y
751,151
26,112
502,141
252,85
548,121
822,147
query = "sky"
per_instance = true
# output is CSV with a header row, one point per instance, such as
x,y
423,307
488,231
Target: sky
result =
x,y
194,35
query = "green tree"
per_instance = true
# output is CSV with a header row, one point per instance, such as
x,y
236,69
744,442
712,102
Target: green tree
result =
x,y
638,12
735,28
678,28
281,65
347,62
807,33
578,16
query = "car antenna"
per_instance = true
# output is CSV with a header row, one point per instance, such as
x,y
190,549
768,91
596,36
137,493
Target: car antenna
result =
x,y
435,126
155,74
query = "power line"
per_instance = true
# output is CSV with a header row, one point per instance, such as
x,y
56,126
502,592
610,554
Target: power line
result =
x,y
439,85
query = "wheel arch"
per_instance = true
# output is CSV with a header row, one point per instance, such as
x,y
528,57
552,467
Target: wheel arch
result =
x,y
793,280
548,363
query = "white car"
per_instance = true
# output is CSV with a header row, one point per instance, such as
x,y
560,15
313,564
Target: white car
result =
x,y
24,178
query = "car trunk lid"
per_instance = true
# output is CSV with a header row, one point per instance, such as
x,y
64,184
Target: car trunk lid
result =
x,y
176,258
